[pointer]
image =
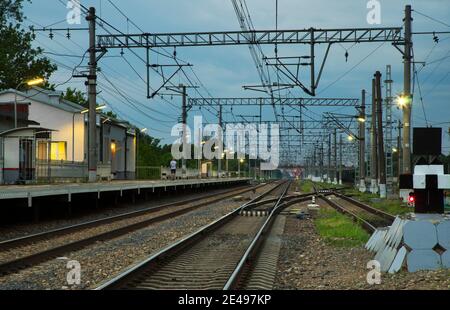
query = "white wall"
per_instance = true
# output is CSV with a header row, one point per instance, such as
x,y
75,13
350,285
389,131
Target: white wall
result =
x,y
131,154
11,160
61,121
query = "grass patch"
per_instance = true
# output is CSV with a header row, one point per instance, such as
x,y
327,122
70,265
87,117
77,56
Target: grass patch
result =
x,y
392,206
339,230
306,186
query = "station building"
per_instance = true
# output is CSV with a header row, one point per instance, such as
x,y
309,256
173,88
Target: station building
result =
x,y
50,141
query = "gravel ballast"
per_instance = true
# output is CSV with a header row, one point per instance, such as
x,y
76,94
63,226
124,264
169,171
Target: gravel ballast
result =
x,y
307,262
104,260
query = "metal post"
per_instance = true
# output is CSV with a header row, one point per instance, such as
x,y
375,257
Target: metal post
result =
x,y
407,93
184,122
389,142
335,175
92,90
399,150
321,162
362,141
314,163
219,161
329,159
340,159
380,137
373,142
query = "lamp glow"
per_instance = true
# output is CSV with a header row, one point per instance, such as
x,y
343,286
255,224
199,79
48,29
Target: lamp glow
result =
x,y
36,81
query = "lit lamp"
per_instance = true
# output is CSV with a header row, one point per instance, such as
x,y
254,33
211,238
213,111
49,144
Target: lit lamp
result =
x,y
402,101
361,119
99,108
241,161
32,82
350,138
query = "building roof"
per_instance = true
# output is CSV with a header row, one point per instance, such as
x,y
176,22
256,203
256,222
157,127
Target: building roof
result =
x,y
35,129
44,96
47,97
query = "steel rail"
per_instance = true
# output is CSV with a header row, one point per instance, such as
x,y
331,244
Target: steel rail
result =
x,y
122,279
368,208
257,241
15,242
33,259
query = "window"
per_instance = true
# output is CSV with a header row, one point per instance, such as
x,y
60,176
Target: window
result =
x,y
58,150
42,150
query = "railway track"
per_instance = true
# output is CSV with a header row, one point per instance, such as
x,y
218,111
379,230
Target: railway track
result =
x,y
368,217
218,256
141,219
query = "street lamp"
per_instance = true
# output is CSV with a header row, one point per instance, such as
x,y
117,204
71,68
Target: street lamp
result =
x,y
32,82
241,161
403,100
99,108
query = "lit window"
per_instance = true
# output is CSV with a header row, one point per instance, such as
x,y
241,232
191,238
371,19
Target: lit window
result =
x,y
58,151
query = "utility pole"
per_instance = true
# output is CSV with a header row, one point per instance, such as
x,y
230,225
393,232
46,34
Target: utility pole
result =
x,y
184,122
407,93
335,174
219,160
181,89
389,142
340,159
399,150
381,156
362,143
373,142
321,161
92,98
314,163
329,159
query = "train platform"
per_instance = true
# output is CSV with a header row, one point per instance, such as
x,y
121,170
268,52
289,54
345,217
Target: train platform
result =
x,y
31,191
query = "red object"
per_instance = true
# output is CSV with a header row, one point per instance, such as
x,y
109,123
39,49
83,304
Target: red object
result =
x,y
411,198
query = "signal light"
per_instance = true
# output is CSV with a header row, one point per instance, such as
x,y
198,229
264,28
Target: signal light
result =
x,y
411,199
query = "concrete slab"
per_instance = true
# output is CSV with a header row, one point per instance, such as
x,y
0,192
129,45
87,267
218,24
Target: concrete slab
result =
x,y
445,258
420,235
443,232
423,260
399,260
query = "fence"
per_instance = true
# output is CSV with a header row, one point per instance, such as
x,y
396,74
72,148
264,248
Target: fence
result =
x,y
58,171
148,173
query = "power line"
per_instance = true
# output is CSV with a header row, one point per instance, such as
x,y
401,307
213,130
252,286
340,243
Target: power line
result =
x,y
432,18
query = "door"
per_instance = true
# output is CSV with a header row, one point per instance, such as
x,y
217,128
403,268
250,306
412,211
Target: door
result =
x,y
26,171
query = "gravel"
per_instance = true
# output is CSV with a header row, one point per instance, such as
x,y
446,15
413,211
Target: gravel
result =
x,y
307,262
106,259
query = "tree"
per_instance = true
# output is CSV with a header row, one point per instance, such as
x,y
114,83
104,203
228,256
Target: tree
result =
x,y
19,61
76,96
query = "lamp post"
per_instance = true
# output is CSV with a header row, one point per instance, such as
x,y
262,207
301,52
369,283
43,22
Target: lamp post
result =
x,y
99,108
239,166
33,82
